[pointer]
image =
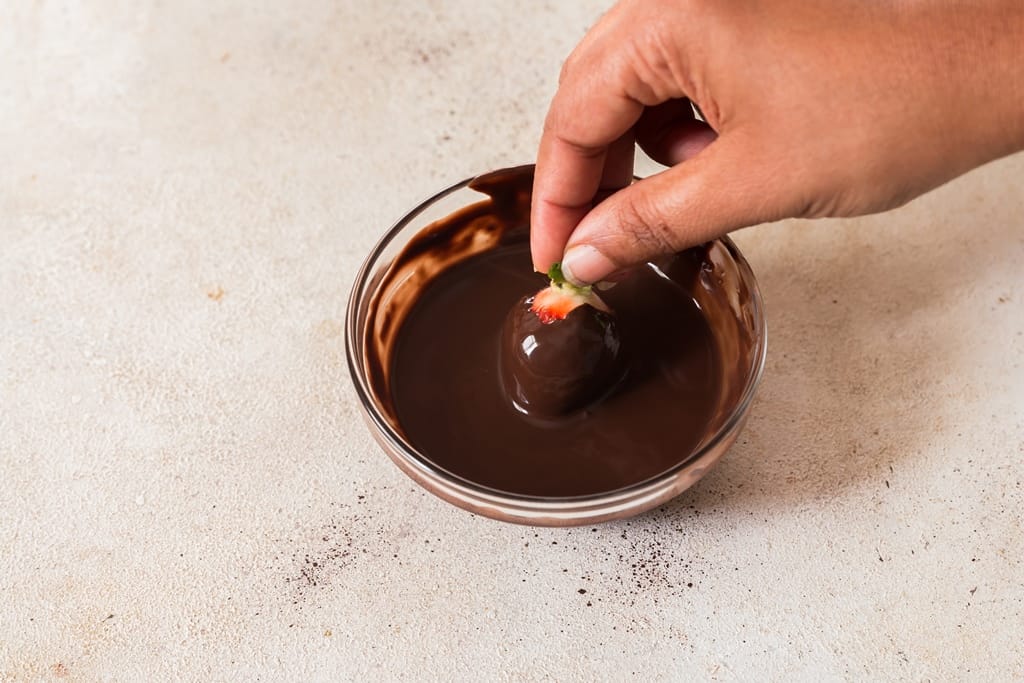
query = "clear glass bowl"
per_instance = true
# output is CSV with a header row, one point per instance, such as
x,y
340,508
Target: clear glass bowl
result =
x,y
730,284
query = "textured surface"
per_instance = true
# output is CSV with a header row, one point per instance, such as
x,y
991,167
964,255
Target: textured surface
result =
x,y
187,490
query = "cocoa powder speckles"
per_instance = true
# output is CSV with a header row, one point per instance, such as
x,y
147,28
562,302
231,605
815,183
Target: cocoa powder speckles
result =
x,y
316,568
642,562
327,551
645,560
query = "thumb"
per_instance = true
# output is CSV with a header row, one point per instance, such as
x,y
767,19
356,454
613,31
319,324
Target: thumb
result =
x,y
721,189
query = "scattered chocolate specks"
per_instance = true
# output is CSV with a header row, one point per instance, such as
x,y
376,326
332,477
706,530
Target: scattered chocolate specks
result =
x,y
640,561
314,568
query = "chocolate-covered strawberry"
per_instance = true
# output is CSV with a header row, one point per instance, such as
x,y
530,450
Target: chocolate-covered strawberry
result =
x,y
560,349
561,297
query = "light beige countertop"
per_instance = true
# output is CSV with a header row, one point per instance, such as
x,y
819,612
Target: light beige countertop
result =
x,y
188,491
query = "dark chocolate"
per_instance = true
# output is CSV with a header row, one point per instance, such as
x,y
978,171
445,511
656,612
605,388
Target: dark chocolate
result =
x,y
439,374
554,368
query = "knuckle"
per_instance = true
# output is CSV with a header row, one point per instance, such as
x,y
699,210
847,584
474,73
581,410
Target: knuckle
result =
x,y
655,66
571,64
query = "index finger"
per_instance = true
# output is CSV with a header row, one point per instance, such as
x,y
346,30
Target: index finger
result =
x,y
588,113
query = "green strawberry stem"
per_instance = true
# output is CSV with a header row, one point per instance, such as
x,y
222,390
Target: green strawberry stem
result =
x,y
584,294
559,282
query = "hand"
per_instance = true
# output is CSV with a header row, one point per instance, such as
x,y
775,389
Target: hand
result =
x,y
811,109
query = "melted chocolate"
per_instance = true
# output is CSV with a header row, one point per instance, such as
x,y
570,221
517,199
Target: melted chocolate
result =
x,y
552,369
452,405
434,356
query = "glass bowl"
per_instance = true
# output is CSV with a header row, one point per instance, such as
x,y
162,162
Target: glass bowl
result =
x,y
727,282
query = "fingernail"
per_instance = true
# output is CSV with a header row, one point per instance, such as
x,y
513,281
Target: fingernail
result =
x,y
584,265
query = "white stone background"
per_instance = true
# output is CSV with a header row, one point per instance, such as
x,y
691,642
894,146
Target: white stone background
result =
x,y
187,189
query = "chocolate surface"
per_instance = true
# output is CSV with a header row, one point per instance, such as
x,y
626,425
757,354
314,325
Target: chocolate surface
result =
x,y
551,369
437,367
452,405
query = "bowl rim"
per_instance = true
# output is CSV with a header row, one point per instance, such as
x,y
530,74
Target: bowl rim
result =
x,y
413,457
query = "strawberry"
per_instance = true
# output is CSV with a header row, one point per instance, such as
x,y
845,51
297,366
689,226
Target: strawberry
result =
x,y
558,299
552,370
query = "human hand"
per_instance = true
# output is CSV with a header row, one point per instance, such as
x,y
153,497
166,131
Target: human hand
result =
x,y
812,109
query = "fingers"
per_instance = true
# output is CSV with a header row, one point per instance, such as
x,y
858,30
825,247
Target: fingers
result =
x,y
670,133
719,190
633,58
588,114
564,183
616,173
618,166
681,142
